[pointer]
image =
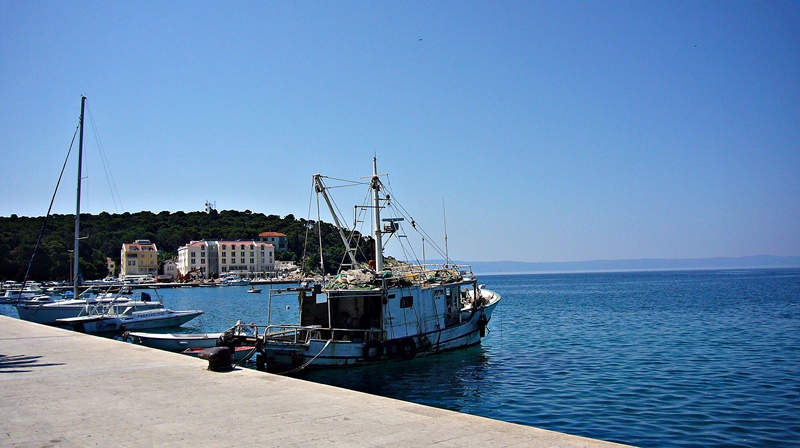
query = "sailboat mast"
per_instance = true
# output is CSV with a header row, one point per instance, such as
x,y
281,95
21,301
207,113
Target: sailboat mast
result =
x,y
376,187
76,265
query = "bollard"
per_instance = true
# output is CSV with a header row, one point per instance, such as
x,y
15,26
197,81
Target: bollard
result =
x,y
219,358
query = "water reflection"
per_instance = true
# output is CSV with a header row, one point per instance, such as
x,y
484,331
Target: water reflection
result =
x,y
452,380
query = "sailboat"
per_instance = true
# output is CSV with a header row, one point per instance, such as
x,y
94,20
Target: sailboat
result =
x,y
48,312
375,311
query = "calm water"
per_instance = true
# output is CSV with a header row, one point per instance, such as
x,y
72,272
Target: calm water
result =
x,y
696,358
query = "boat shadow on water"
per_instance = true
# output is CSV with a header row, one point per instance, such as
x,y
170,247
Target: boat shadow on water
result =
x,y
451,380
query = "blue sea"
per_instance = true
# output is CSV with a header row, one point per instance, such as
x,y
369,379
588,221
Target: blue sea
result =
x,y
655,359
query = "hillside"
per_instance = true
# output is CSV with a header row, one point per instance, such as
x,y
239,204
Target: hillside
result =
x,y
104,234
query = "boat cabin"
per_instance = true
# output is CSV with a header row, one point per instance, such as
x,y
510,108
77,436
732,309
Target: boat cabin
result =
x,y
364,314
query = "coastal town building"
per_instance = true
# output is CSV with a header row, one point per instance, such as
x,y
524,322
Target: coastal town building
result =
x,y
169,271
111,266
277,239
138,259
215,258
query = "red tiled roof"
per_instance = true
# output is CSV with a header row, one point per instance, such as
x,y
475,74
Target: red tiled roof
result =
x,y
237,243
265,234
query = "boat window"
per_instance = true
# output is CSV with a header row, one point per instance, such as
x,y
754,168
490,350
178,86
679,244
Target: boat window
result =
x,y
322,297
407,302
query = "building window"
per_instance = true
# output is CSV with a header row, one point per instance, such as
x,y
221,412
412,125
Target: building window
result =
x,y
224,261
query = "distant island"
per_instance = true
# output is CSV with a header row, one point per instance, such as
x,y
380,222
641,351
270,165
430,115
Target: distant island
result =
x,y
646,264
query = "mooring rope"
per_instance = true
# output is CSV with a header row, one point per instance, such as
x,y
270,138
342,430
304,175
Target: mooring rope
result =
x,y
297,369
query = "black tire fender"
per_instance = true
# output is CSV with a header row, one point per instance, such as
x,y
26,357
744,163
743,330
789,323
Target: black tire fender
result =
x,y
373,350
408,349
393,348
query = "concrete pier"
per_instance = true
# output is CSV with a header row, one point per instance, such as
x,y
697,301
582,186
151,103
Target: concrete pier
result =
x,y
64,389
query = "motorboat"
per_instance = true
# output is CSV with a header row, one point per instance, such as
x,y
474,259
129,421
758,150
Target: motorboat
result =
x,y
129,319
30,291
49,312
173,342
233,280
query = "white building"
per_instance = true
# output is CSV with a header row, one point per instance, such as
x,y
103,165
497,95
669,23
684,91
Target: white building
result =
x,y
217,258
277,239
169,271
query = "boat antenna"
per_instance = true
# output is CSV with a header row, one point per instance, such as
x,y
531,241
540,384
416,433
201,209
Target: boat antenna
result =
x,y
446,249
376,187
78,204
424,261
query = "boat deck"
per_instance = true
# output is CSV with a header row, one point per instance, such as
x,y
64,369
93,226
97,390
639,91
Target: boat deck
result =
x,y
62,388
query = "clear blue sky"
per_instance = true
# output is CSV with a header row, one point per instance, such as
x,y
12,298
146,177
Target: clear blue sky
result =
x,y
553,130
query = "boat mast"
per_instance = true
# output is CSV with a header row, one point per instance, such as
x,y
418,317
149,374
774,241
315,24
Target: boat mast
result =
x,y
376,187
76,265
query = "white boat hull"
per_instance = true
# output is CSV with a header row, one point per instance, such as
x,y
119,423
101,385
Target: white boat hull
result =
x,y
235,283
139,320
50,313
174,342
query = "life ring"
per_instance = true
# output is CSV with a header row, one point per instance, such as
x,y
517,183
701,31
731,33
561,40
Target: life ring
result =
x,y
408,349
393,348
373,350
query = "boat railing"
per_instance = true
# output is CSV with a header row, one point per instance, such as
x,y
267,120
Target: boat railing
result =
x,y
291,334
300,334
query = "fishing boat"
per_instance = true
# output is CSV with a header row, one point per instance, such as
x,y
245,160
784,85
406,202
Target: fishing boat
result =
x,y
173,342
376,311
129,319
